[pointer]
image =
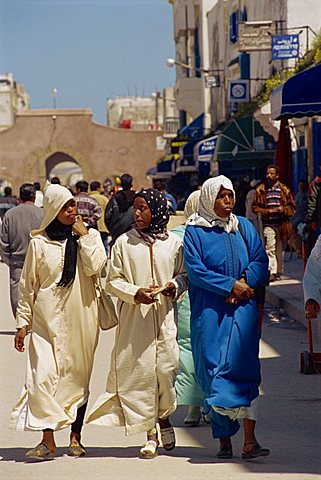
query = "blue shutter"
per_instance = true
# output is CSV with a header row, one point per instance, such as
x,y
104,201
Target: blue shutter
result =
x,y
244,61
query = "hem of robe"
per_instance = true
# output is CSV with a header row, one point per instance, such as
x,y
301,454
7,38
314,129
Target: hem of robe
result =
x,y
107,411
19,415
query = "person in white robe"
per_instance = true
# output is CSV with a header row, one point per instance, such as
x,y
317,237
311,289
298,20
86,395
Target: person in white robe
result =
x,y
312,282
58,305
140,388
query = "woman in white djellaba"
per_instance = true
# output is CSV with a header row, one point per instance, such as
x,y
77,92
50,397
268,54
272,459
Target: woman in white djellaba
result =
x,y
58,306
141,383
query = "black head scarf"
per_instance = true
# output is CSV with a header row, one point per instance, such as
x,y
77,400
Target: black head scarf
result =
x,y
58,231
160,215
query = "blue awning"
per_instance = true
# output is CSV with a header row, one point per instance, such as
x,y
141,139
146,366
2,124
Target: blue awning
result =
x,y
195,130
164,169
299,96
204,150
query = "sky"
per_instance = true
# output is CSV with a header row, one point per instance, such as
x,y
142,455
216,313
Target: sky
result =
x,y
89,50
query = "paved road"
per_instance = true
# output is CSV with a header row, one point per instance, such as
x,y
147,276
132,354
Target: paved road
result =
x,y
289,423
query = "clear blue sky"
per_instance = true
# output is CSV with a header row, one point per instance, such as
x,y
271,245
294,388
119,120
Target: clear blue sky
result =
x,y
88,49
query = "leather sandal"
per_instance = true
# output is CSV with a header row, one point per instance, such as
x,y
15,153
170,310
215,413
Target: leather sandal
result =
x,y
40,453
76,449
168,438
256,451
225,452
149,449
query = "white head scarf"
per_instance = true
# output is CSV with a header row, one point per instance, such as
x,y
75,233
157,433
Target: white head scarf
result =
x,y
54,198
192,203
206,217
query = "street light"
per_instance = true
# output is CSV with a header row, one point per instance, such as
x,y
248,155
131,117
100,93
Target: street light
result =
x,y
170,62
54,96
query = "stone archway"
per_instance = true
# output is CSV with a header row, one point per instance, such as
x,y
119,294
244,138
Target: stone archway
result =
x,y
41,161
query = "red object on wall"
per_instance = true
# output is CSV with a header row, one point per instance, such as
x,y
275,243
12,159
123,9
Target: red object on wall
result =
x,y
283,157
126,123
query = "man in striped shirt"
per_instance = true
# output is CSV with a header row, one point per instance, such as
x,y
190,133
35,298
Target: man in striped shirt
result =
x,y
87,206
273,200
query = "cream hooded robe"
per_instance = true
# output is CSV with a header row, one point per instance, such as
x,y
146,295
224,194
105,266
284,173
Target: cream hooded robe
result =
x,y
140,386
63,321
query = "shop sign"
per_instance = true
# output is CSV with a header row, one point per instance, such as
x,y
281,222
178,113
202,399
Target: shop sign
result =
x,y
285,46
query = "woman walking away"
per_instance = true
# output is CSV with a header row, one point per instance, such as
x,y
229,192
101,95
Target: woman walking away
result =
x,y
187,389
57,304
140,386
225,261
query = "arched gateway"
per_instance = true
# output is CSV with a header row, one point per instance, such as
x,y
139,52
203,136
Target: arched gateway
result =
x,y
41,139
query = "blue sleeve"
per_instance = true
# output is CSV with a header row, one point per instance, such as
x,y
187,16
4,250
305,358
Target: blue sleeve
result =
x,y
198,273
257,269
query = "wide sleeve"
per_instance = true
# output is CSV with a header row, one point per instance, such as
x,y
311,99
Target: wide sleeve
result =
x,y
117,283
180,279
28,288
257,269
197,272
312,279
92,252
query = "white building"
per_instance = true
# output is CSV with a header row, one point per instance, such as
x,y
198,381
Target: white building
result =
x,y
137,113
13,99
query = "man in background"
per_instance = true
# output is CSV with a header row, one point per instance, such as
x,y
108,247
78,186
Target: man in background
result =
x,y
273,200
87,206
7,202
15,236
96,192
119,216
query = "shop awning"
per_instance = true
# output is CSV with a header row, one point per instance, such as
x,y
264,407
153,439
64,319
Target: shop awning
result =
x,y
244,144
299,96
195,129
164,169
204,150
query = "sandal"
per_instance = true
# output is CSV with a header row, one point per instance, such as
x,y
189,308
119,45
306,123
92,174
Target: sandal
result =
x,y
76,449
149,449
41,452
225,452
256,451
168,438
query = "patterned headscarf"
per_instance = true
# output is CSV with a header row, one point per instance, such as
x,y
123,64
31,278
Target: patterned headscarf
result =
x,y
160,215
206,217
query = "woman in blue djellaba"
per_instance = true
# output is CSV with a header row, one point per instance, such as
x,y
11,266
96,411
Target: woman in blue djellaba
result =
x,y
225,261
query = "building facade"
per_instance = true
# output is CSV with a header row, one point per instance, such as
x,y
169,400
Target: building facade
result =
x,y
13,99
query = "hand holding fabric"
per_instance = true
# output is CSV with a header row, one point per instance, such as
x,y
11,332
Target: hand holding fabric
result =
x,y
143,296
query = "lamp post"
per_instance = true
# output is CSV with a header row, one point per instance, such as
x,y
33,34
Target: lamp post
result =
x,y
212,79
54,93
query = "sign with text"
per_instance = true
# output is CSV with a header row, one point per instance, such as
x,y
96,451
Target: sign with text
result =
x,y
285,46
254,36
212,81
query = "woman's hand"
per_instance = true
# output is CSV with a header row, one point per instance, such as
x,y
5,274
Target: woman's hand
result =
x,y
169,290
312,309
143,296
19,340
241,291
79,228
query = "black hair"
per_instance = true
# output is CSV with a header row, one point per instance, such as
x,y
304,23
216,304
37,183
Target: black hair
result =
x,y
276,167
126,181
55,180
7,192
27,192
36,185
94,186
82,186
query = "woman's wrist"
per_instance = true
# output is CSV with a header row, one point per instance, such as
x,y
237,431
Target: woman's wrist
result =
x,y
25,328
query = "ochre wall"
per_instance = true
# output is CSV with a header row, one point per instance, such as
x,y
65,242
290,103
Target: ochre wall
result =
x,y
99,150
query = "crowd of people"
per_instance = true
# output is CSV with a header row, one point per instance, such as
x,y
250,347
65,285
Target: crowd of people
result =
x,y
189,322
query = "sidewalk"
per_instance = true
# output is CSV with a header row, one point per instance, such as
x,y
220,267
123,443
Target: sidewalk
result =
x,y
287,295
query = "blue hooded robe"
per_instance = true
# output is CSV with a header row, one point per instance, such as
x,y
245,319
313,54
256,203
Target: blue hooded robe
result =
x,y
224,337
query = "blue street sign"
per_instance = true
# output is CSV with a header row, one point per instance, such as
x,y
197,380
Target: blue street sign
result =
x,y
238,91
285,46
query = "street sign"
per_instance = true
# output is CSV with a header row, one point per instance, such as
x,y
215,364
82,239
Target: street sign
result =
x,y
212,81
254,36
238,91
285,46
